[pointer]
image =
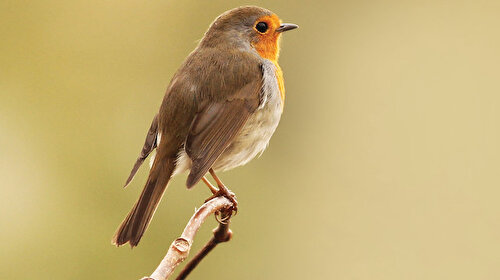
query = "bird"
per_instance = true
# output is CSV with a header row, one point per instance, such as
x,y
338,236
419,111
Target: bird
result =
x,y
219,111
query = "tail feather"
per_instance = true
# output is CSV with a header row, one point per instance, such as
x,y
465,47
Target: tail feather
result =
x,y
136,222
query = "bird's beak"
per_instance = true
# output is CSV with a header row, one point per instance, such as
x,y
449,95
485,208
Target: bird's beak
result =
x,y
286,26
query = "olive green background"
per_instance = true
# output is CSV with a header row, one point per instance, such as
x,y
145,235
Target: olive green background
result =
x,y
385,165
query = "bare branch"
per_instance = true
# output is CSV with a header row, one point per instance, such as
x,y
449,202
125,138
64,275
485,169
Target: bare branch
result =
x,y
221,234
179,249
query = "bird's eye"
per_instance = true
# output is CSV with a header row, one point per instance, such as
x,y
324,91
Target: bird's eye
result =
x,y
261,27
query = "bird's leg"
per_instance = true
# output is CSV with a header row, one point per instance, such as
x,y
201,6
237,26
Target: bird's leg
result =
x,y
213,189
223,191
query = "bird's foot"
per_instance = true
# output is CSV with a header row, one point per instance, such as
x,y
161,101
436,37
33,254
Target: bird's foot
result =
x,y
225,192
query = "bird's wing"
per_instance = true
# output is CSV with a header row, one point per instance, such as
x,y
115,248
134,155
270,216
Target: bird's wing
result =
x,y
216,125
149,146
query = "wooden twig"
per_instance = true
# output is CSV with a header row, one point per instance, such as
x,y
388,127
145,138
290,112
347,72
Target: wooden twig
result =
x,y
179,249
221,234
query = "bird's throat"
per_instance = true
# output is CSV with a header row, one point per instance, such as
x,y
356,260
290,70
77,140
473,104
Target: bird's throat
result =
x,y
268,47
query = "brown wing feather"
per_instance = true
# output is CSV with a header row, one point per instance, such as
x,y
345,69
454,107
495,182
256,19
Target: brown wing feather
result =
x,y
149,146
215,127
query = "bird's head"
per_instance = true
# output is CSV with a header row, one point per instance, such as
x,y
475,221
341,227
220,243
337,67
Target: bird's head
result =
x,y
247,27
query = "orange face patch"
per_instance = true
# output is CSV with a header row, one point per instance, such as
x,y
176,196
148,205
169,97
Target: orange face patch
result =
x,y
268,43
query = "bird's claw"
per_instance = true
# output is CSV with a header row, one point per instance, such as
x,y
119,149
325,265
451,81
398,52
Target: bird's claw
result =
x,y
233,209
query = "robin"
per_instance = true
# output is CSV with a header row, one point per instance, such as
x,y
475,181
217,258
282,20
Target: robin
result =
x,y
219,111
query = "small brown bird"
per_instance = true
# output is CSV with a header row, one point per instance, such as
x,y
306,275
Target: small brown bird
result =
x,y
219,111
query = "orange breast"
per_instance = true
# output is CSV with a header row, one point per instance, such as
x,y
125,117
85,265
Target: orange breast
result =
x,y
281,82
268,47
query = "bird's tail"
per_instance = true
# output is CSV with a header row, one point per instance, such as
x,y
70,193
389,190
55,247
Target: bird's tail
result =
x,y
136,222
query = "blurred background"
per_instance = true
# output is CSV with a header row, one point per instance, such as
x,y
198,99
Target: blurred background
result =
x,y
385,164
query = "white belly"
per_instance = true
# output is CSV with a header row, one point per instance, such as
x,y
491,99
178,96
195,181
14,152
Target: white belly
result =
x,y
253,138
